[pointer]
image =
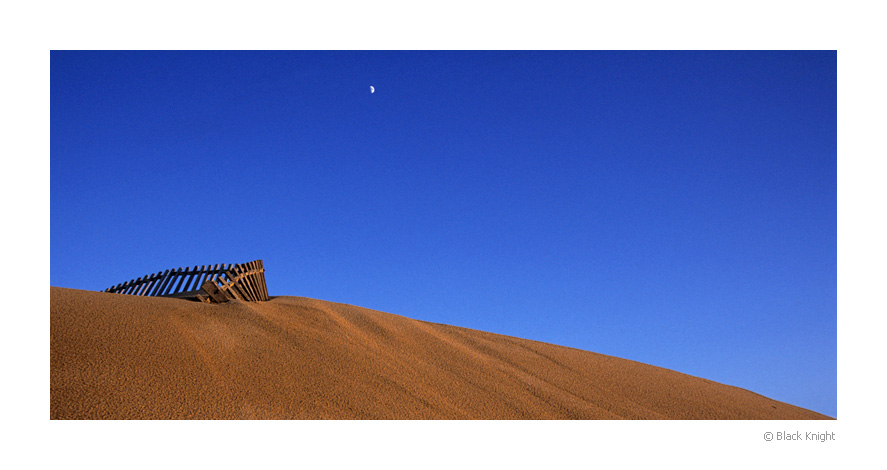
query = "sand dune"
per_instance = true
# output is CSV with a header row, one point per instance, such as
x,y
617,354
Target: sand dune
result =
x,y
124,357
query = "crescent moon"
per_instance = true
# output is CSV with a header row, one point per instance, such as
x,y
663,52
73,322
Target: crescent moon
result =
x,y
372,90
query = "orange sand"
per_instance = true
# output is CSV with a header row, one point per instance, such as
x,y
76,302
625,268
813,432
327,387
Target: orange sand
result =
x,y
116,356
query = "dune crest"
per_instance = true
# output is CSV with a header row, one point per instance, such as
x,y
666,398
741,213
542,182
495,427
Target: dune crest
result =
x,y
116,356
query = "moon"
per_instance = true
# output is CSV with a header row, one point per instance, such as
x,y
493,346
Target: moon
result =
x,y
372,90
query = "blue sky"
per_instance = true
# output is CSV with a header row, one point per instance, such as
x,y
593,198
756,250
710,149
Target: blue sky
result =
x,y
673,208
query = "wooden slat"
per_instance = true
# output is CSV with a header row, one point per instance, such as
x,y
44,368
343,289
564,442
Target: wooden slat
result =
x,y
251,281
192,281
160,282
248,279
195,284
169,282
182,275
257,278
264,286
143,285
147,280
244,282
136,286
133,287
231,285
204,271
262,278
189,282
168,285
153,286
217,270
211,273
238,282
203,276
206,275
226,288
213,291
150,284
187,279
186,276
146,289
257,281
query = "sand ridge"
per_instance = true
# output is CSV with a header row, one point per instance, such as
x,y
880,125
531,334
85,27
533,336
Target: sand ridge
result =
x,y
117,356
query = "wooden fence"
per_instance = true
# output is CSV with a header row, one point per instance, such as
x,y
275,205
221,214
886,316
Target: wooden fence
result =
x,y
219,283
